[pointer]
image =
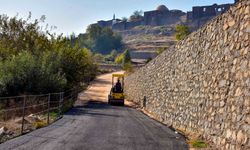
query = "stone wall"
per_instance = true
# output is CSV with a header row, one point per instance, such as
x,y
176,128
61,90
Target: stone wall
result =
x,y
209,11
109,67
123,25
202,84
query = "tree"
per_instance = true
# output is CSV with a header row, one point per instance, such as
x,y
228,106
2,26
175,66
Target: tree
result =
x,y
125,19
18,35
103,40
94,31
127,58
136,16
181,32
35,61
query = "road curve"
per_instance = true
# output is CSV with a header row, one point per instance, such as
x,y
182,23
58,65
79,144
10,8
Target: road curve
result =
x,y
94,125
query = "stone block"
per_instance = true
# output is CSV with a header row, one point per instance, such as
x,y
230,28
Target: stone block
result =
x,y
238,92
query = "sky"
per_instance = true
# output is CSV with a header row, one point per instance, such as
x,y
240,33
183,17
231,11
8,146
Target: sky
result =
x,y
75,15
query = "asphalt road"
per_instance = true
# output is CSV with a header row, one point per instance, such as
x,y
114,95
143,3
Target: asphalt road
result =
x,y
95,125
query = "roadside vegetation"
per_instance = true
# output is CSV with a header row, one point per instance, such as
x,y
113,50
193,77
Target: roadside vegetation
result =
x,y
161,50
124,59
33,60
181,32
197,143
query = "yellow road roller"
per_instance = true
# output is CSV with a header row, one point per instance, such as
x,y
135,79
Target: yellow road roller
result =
x,y
116,95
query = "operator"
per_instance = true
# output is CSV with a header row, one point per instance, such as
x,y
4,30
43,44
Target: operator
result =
x,y
118,86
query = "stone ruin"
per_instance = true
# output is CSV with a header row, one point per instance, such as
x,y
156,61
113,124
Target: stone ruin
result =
x,y
163,16
202,14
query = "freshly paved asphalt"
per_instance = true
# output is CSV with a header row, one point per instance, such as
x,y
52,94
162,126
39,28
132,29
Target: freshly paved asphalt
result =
x,y
96,125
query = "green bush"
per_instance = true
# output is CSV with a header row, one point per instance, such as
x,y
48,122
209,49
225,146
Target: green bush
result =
x,y
68,105
77,64
53,115
119,59
123,58
181,32
128,67
160,50
199,144
24,73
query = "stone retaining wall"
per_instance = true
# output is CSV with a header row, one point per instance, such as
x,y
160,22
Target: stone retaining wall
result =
x,y
202,84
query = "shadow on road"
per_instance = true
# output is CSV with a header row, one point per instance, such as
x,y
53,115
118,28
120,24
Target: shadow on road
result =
x,y
90,107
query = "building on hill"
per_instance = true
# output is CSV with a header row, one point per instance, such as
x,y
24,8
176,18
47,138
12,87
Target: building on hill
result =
x,y
163,16
201,14
108,23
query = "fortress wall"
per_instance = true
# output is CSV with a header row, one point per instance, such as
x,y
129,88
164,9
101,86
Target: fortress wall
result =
x,y
202,84
130,25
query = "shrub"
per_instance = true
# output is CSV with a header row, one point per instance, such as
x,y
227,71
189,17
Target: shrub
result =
x,y
198,144
24,73
39,124
119,59
181,32
160,50
68,105
99,58
127,58
123,58
54,115
128,67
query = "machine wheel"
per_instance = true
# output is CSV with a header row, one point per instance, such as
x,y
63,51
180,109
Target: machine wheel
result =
x,y
123,103
109,100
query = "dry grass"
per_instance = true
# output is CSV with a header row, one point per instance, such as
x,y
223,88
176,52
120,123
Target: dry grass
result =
x,y
39,124
13,125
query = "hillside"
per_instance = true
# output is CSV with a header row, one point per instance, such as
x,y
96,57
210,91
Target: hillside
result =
x,y
144,41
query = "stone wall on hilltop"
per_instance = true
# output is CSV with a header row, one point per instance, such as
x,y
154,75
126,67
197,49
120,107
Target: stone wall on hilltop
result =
x,y
202,84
